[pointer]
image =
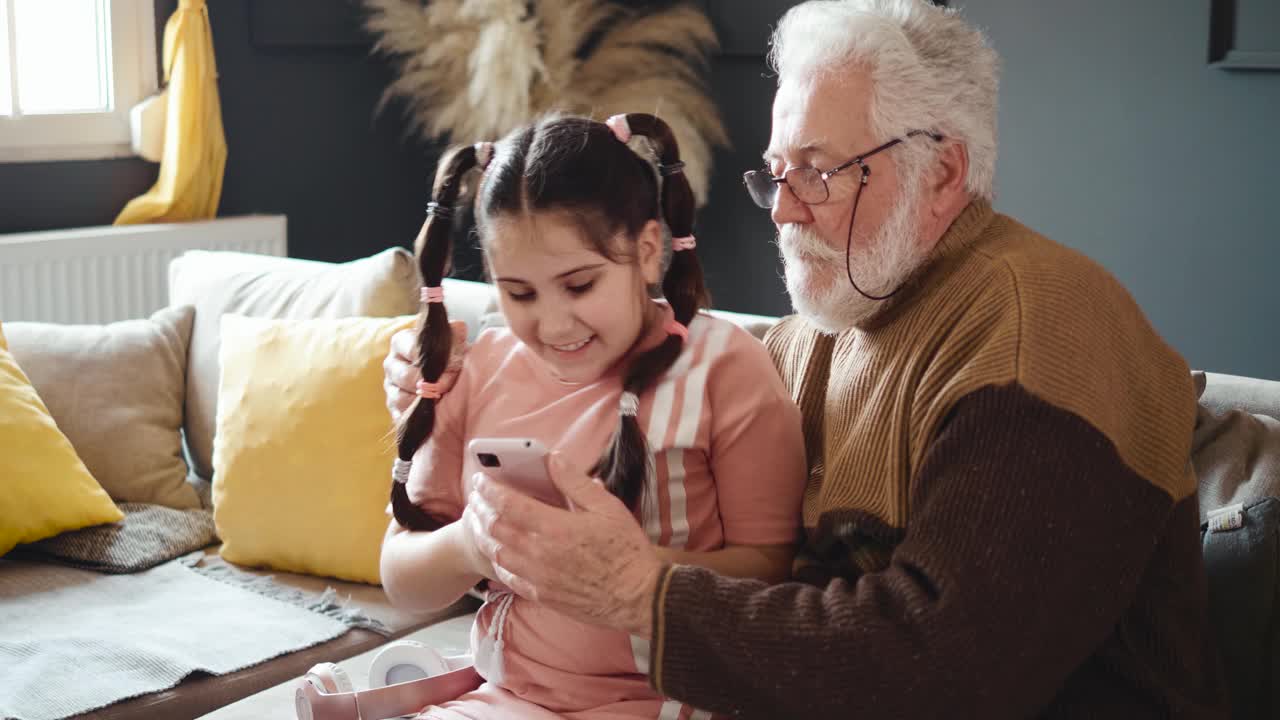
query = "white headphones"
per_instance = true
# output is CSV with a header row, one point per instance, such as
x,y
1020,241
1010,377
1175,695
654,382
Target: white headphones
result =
x,y
405,677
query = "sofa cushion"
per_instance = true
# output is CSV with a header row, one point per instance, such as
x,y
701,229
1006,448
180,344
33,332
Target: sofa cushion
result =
x,y
1243,569
304,445
477,304
1235,448
757,325
116,391
46,487
1236,453
1221,392
383,285
471,302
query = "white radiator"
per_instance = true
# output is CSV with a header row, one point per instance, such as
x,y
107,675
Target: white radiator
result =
x,y
103,274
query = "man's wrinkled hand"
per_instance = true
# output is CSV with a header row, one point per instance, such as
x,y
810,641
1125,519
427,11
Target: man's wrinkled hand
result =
x,y
593,562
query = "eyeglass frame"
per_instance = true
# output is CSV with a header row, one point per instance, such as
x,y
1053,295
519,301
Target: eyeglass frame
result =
x,y
859,160
857,196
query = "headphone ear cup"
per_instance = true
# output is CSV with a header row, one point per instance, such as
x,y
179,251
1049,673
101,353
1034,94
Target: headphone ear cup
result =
x,y
343,680
403,661
330,678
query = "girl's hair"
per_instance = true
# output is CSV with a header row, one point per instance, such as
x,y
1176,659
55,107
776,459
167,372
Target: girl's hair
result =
x,y
579,168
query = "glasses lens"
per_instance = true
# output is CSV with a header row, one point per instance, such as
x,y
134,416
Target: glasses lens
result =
x,y
761,187
807,184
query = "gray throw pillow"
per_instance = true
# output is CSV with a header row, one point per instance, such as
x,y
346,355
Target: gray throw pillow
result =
x,y
1236,453
116,391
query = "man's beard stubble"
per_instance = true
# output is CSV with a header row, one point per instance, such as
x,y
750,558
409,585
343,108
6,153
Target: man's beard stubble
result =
x,y
815,271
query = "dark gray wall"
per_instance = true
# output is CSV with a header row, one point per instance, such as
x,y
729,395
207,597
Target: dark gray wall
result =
x,y
1116,138
298,89
735,238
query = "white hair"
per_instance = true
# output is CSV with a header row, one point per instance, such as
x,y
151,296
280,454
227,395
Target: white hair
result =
x,y
930,70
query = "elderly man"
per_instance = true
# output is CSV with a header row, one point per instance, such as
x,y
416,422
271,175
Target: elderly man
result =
x,y
1001,515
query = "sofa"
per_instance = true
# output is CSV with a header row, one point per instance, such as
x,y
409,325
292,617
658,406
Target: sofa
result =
x,y
286,317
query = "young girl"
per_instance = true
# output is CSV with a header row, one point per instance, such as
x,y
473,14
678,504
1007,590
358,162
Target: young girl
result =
x,y
681,415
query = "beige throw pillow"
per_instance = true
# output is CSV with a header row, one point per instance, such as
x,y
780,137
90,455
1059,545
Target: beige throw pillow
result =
x,y
116,392
218,283
44,487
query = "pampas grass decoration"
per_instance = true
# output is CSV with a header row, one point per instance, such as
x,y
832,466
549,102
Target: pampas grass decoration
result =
x,y
472,70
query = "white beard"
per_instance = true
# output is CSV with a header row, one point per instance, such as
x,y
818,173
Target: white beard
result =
x,y
815,272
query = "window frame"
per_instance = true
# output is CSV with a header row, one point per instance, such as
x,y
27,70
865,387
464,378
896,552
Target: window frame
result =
x,y
89,135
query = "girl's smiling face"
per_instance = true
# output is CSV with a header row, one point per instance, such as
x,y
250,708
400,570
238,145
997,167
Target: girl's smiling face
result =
x,y
579,310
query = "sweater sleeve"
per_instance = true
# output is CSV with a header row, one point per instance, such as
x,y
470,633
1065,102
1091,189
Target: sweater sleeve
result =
x,y
1027,541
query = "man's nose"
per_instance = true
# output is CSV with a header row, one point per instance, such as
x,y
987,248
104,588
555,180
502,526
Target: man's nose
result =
x,y
787,209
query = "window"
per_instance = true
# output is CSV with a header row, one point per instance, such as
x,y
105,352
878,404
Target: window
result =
x,y
70,70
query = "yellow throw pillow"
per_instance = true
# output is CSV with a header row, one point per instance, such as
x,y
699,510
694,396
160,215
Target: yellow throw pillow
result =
x,y
303,448
44,487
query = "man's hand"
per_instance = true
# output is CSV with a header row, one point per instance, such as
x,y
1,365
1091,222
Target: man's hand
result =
x,y
401,370
594,563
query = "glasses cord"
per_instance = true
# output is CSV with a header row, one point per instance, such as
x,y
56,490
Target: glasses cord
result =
x,y
848,246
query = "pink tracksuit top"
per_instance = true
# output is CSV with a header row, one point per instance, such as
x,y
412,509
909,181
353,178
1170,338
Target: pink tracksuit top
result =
x,y
727,466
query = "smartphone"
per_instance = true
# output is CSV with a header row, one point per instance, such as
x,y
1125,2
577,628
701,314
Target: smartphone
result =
x,y
520,463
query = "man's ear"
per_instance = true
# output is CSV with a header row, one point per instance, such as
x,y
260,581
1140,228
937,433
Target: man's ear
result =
x,y
649,252
947,178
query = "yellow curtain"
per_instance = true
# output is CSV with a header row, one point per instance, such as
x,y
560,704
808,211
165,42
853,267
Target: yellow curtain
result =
x,y
195,149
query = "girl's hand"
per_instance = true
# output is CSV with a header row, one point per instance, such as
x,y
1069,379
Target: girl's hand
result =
x,y
401,374
400,369
469,527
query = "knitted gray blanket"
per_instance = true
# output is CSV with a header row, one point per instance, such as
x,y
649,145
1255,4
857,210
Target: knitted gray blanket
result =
x,y
73,640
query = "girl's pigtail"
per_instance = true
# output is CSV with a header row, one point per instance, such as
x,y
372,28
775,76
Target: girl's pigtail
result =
x,y
683,284
623,468
435,340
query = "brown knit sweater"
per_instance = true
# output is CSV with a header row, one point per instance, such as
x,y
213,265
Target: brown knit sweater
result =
x,y
1001,514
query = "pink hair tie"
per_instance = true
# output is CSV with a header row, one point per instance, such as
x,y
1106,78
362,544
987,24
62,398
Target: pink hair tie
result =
x,y
484,154
683,243
432,295
432,391
675,327
621,129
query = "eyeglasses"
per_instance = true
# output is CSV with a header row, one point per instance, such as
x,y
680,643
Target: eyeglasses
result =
x,y
809,185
